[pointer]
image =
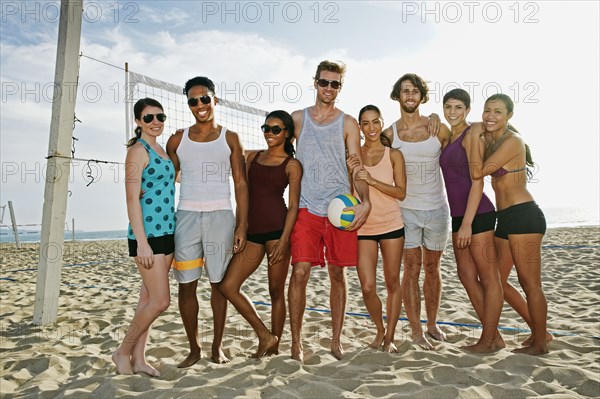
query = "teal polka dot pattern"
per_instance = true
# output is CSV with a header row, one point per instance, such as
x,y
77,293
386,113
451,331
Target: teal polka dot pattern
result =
x,y
158,185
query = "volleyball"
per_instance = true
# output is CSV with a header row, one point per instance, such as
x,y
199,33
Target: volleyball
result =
x,y
336,214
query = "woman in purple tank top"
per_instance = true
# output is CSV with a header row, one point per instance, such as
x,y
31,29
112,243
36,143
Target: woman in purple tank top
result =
x,y
473,221
270,224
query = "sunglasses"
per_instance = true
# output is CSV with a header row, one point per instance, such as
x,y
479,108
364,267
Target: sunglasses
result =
x,y
205,99
150,117
275,129
335,84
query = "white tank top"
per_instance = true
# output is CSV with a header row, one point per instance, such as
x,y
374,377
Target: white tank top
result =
x,y
205,174
424,184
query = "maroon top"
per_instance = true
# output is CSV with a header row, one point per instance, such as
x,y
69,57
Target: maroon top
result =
x,y
266,185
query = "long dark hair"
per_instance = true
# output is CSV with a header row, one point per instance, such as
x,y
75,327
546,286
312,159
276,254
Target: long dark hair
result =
x,y
510,106
139,106
288,122
384,140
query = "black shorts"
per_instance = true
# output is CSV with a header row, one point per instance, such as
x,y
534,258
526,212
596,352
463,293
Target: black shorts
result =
x,y
262,238
386,236
160,245
525,218
481,222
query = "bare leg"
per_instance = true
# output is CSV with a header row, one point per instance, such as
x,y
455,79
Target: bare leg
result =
x,y
218,303
367,270
391,251
156,282
297,303
511,294
278,273
526,251
337,303
242,265
188,308
432,291
483,253
138,357
411,295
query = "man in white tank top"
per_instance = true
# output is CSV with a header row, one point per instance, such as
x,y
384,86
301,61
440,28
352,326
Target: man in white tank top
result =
x,y
206,231
425,208
324,134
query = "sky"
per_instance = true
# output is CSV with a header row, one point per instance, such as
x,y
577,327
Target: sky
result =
x,y
545,55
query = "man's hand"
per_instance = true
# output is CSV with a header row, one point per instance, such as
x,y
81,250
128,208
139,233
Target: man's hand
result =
x,y
361,212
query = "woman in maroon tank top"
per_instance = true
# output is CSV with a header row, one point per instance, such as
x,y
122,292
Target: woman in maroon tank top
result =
x,y
270,224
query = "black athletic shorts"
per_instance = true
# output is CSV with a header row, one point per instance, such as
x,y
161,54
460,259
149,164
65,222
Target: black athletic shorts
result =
x,y
160,245
525,218
481,222
386,236
262,238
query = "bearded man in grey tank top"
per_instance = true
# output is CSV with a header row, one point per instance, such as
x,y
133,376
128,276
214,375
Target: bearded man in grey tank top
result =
x,y
324,134
425,208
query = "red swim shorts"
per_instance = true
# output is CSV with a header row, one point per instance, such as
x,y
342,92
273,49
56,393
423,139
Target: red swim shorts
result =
x,y
314,233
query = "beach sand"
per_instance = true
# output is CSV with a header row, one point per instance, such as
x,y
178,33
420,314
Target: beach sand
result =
x,y
100,287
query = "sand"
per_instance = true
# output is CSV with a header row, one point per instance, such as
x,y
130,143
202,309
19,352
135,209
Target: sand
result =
x,y
99,290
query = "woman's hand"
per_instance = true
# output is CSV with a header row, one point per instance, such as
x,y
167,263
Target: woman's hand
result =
x,y
145,255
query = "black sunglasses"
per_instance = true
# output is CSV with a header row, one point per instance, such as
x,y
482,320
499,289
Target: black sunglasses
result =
x,y
275,129
150,117
205,99
335,84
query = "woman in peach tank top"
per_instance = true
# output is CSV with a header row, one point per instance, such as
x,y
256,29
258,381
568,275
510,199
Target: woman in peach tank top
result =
x,y
384,172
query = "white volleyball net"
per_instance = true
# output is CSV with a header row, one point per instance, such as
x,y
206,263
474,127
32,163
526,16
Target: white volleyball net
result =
x,y
239,118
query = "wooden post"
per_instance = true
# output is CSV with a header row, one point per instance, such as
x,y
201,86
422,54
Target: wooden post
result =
x,y
58,165
73,229
13,220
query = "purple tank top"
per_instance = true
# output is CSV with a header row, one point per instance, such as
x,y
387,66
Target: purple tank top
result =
x,y
455,168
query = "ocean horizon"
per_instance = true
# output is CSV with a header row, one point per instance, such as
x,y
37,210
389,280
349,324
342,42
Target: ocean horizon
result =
x,y
555,218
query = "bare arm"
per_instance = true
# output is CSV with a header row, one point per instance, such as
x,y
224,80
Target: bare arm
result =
x,y
362,210
172,145
398,190
476,191
240,184
135,162
507,151
293,171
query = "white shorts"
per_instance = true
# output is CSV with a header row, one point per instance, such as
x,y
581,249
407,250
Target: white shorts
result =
x,y
428,228
203,239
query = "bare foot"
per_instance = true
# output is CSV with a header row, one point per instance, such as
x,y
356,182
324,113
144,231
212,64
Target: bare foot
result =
x,y
123,363
529,341
191,359
422,342
336,350
297,352
264,345
218,356
436,333
500,341
273,351
378,341
533,350
389,347
146,369
481,347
